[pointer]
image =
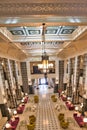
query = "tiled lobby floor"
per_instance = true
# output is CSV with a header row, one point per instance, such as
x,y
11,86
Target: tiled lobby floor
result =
x,y
46,115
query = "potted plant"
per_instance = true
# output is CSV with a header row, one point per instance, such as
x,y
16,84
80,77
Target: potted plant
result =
x,y
32,119
36,99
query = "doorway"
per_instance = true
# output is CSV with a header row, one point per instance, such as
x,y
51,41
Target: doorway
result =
x,y
43,81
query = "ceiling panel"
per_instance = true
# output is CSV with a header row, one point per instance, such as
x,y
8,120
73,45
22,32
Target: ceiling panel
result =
x,y
38,30
17,31
51,31
55,36
67,29
34,32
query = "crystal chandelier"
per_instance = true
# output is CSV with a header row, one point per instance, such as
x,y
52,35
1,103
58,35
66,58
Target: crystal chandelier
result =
x,y
45,57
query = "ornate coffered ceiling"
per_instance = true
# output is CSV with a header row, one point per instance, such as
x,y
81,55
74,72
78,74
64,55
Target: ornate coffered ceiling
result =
x,y
34,31
29,39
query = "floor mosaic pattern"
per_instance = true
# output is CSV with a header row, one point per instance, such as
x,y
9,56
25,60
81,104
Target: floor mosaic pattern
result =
x,y
46,117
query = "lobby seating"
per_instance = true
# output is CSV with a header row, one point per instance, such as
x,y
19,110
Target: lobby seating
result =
x,y
79,119
63,97
20,108
69,105
12,123
25,99
59,91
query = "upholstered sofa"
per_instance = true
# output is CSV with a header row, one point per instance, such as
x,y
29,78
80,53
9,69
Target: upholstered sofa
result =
x,y
69,105
59,91
63,97
3,121
25,99
20,109
79,119
12,124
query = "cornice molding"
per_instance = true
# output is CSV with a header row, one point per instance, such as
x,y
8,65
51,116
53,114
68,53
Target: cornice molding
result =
x,y
56,8
43,1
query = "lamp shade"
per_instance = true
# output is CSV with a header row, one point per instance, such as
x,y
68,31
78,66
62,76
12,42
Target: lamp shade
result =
x,y
22,100
85,119
7,125
68,98
76,108
15,112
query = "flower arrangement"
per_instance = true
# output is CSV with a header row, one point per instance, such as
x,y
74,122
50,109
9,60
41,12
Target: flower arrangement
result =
x,y
54,99
32,120
36,99
64,124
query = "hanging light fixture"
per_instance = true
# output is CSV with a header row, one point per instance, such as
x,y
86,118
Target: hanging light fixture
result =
x,y
45,57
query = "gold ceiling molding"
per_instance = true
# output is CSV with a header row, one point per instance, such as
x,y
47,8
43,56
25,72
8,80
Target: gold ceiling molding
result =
x,y
43,1
63,8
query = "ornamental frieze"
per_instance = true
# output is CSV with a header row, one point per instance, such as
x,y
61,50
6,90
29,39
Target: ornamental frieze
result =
x,y
59,9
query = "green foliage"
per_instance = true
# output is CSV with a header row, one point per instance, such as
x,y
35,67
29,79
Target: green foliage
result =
x,y
36,99
54,99
35,96
32,119
61,116
64,124
30,126
53,96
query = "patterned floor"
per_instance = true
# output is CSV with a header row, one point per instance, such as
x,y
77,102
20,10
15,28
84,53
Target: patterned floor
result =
x,y
46,117
46,114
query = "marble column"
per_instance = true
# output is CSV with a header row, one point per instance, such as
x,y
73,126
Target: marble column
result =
x,y
12,84
76,80
69,86
61,74
3,100
23,66
85,82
